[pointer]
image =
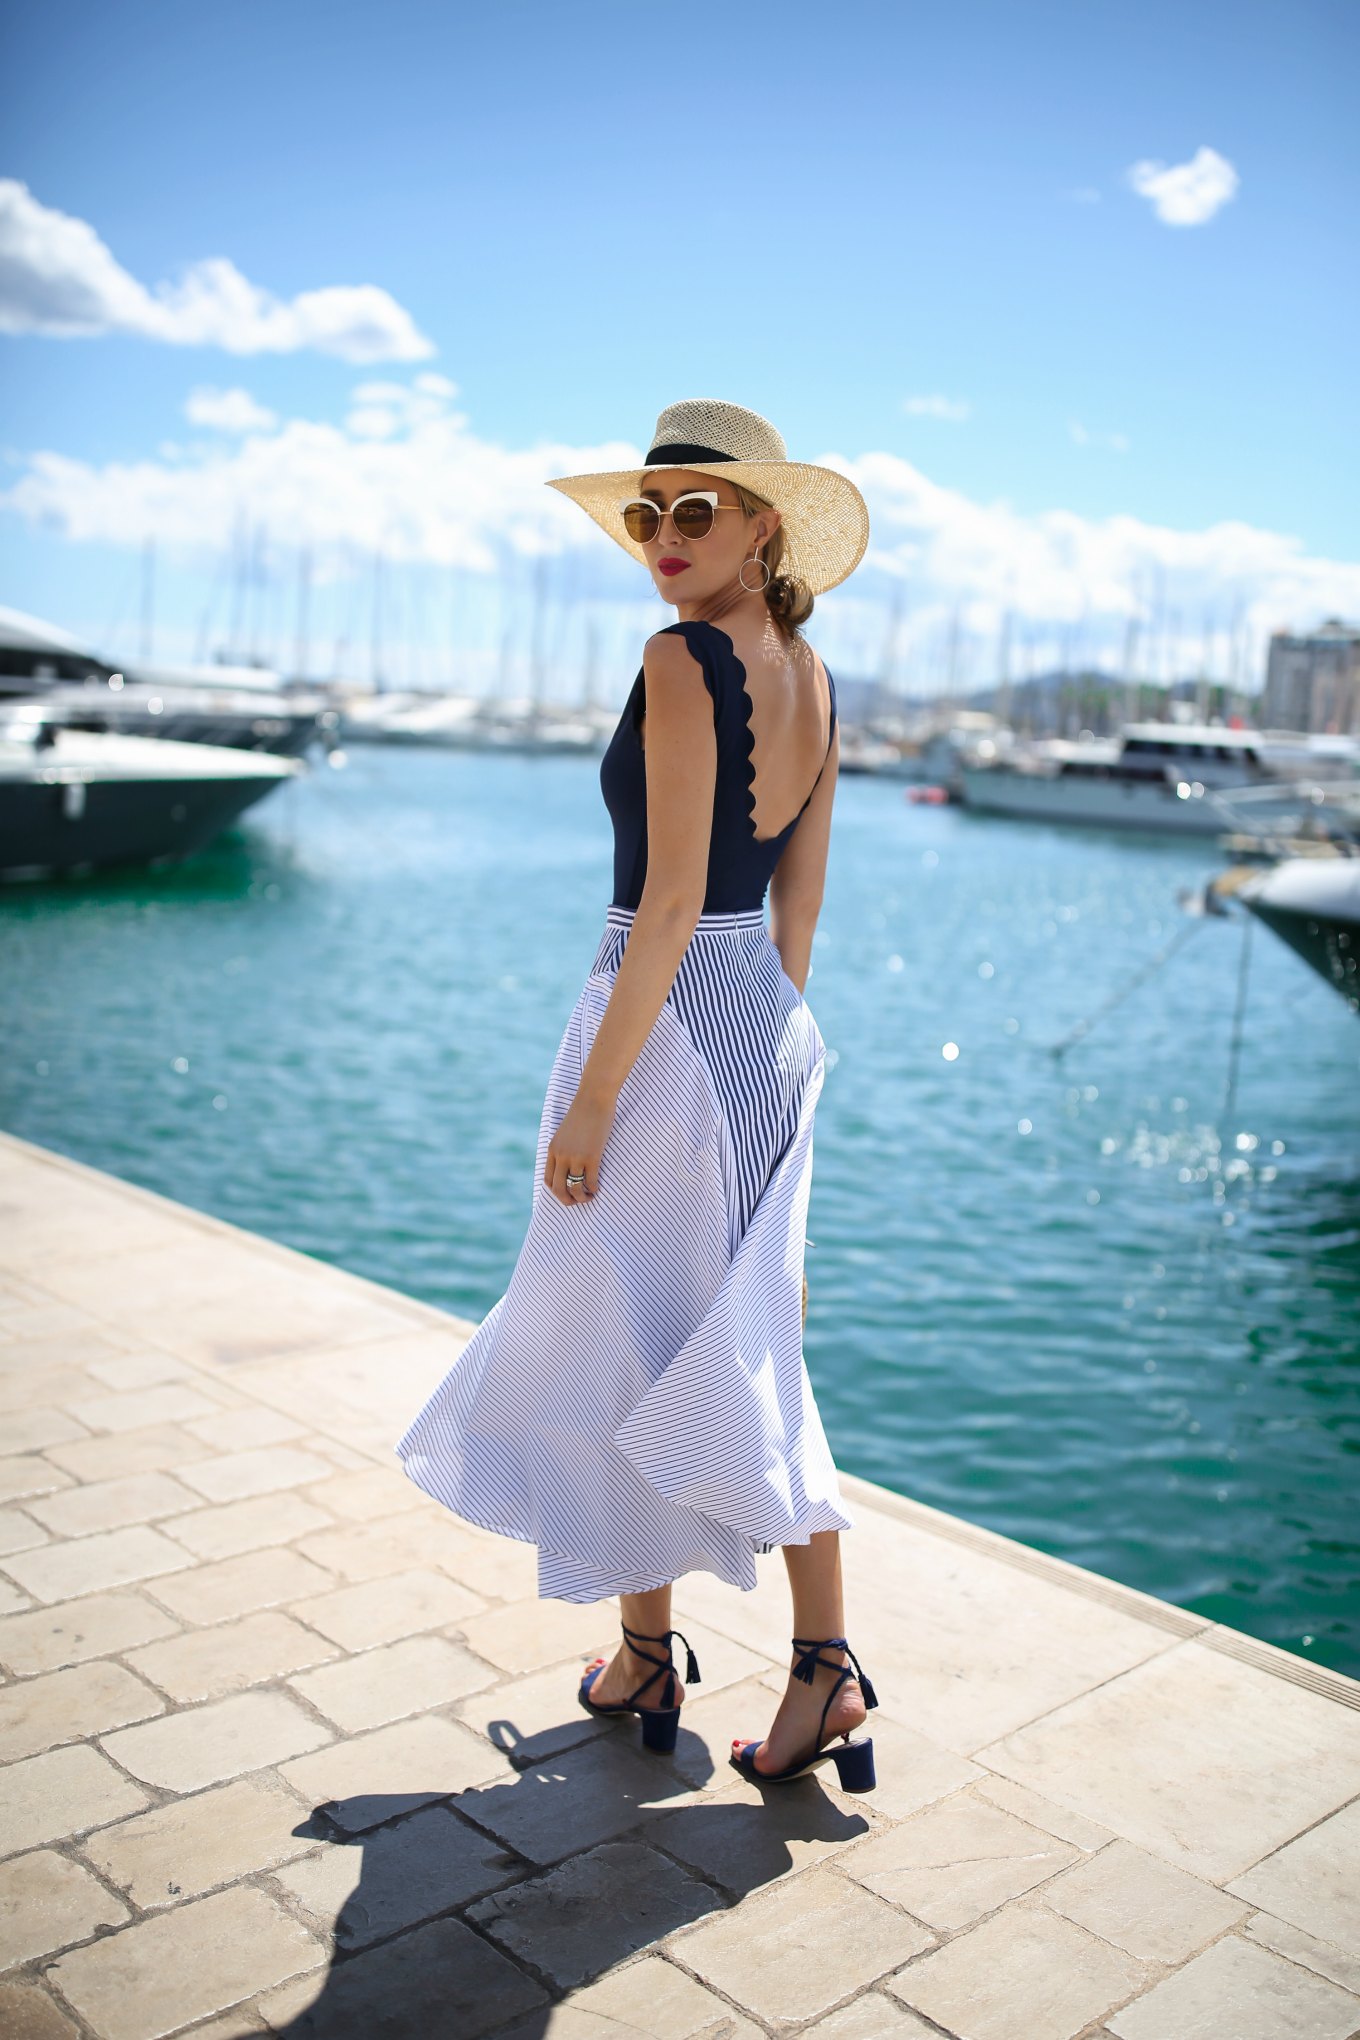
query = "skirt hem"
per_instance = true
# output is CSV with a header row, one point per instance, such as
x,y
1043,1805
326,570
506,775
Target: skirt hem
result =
x,y
631,1584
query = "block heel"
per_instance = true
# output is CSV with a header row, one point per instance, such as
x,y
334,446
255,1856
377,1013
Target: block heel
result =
x,y
854,1761
660,1726
855,1766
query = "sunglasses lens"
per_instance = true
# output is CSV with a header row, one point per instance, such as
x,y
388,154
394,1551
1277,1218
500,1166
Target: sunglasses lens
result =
x,y
693,517
641,521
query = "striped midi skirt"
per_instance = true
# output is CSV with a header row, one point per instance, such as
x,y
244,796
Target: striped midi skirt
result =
x,y
637,1403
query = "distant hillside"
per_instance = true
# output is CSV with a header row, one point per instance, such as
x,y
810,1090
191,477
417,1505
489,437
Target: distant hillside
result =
x,y
1055,703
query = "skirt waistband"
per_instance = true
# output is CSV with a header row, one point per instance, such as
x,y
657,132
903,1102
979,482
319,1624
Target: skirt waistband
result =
x,y
716,923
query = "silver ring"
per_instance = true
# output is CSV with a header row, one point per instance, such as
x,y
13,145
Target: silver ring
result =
x,y
576,1179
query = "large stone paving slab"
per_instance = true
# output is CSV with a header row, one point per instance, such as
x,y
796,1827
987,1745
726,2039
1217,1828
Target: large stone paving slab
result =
x,y
1314,1881
47,1902
365,1888
1204,1760
62,1792
956,1861
1243,1990
795,1948
97,1626
1025,1972
293,1750
158,1975
191,1846
440,1979
650,1998
586,1915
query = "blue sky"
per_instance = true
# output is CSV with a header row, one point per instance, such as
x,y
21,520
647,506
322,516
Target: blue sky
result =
x,y
1070,291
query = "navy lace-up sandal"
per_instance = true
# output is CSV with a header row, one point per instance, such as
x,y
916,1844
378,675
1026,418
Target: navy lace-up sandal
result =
x,y
854,1761
660,1725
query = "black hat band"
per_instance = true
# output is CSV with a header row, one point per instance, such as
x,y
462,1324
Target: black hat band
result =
x,y
679,451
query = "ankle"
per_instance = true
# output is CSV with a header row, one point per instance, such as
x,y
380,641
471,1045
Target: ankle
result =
x,y
828,1660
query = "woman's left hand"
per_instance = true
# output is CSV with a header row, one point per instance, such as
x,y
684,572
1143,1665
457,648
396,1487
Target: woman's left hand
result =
x,y
578,1144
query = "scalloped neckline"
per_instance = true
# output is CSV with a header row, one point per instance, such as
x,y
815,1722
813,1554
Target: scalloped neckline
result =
x,y
749,737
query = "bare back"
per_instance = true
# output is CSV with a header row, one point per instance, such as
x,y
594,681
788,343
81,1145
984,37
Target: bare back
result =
x,y
789,715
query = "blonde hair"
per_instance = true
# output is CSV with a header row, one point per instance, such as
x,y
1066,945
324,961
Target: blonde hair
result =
x,y
788,600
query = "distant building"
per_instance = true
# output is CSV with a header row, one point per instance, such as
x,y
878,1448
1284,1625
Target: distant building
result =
x,y
1313,682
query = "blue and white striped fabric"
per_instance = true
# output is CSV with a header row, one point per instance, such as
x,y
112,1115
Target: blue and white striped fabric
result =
x,y
637,1403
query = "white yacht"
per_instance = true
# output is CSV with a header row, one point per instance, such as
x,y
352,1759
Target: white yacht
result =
x,y
241,707
75,800
1169,777
459,722
1313,904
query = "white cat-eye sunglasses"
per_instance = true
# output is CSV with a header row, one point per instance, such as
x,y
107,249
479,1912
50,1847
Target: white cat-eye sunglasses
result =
x,y
692,515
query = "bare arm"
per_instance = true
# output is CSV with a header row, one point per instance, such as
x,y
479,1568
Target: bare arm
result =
x,y
800,876
682,759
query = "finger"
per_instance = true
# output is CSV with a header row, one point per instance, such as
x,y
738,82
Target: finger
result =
x,y
578,1192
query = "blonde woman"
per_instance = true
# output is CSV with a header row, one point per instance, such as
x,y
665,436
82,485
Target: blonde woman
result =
x,y
637,1404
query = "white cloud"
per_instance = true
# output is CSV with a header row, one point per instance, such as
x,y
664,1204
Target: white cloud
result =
x,y
1186,194
57,277
953,408
1116,441
227,411
1053,567
427,490
402,472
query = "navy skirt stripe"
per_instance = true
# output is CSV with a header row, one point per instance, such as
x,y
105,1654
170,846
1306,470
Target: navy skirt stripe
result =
x,y
636,1403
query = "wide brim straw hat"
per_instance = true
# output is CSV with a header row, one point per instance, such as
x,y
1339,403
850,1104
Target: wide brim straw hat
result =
x,y
824,518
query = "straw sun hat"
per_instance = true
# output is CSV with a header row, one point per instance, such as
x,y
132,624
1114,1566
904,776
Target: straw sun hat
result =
x,y
825,521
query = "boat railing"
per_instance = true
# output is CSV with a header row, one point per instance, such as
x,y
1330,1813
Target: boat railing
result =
x,y
1276,819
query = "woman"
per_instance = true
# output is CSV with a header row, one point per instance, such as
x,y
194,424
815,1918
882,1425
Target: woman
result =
x,y
637,1403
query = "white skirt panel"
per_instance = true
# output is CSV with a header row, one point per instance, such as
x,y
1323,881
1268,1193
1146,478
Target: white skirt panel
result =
x,y
637,1403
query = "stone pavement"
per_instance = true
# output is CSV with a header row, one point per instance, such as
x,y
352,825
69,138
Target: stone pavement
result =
x,y
288,1749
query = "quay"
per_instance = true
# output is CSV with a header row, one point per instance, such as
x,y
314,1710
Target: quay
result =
x,y
288,1749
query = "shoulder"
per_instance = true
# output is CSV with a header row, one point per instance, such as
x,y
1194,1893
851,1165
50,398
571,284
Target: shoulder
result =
x,y
818,665
676,654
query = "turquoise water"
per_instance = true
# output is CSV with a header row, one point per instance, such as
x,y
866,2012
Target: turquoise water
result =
x,y
1075,1299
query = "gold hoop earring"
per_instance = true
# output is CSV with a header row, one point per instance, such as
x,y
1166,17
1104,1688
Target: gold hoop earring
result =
x,y
741,575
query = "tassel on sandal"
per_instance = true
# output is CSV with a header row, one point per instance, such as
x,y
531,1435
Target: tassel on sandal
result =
x,y
854,1761
660,1725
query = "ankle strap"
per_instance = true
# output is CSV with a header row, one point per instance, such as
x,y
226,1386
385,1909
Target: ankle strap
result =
x,y
691,1662
810,1649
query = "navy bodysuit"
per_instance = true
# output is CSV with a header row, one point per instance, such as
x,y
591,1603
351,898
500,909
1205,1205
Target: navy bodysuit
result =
x,y
740,866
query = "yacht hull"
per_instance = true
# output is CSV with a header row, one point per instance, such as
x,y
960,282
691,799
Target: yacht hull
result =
x,y
1313,904
80,801
1147,806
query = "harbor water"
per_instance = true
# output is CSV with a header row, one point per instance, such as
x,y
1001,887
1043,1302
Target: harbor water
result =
x,y
1106,1301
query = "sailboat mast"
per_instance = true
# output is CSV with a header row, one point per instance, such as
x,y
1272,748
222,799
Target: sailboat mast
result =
x,y
301,652
148,594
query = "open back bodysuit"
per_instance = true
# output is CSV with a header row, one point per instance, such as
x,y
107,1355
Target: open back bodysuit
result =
x,y
740,863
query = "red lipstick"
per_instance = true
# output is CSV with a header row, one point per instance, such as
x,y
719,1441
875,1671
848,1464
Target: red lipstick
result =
x,y
671,566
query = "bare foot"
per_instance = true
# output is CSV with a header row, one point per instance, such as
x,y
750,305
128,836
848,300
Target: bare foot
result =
x,y
795,1725
625,1672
